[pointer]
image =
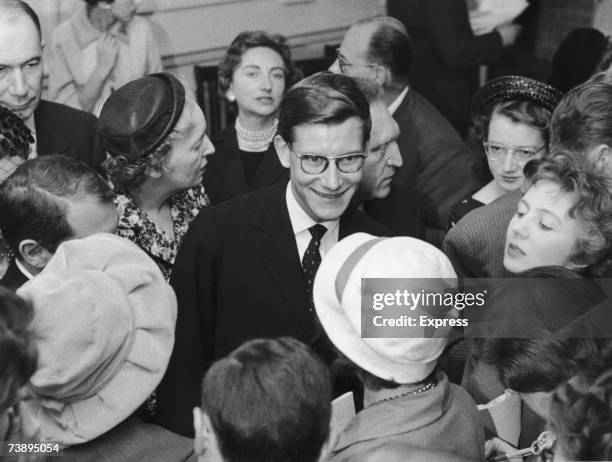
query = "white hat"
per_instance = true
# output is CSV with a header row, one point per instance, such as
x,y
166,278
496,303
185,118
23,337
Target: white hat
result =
x,y
337,296
104,321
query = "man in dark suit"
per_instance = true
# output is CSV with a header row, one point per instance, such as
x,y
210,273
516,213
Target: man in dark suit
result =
x,y
436,162
396,207
57,129
46,201
446,53
246,267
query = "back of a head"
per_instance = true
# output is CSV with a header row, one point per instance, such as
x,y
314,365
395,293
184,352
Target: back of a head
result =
x,y
577,57
583,118
390,46
33,200
323,98
549,310
17,349
269,400
581,414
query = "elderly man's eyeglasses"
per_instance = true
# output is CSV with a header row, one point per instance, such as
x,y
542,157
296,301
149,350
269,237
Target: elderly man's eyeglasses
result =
x,y
315,164
523,155
344,64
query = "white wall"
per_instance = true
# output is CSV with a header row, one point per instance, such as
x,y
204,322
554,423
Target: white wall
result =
x,y
198,31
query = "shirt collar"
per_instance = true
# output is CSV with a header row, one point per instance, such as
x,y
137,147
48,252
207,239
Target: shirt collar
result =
x,y
300,221
395,104
23,269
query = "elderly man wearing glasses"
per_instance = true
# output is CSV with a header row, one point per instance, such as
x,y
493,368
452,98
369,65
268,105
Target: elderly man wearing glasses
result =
x,y
246,267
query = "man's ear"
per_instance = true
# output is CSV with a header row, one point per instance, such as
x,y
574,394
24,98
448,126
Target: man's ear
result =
x,y
34,254
205,439
601,157
283,151
382,75
154,172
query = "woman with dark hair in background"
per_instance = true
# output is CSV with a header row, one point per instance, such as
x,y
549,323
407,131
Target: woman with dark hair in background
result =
x,y
510,123
254,73
102,46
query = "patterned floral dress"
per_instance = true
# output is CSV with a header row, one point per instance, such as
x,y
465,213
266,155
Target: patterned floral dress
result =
x,y
135,225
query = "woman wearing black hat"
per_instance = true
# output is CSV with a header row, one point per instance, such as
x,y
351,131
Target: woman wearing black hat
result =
x,y
156,146
511,119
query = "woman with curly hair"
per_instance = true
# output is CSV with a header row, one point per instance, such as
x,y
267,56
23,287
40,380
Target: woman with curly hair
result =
x,y
156,146
564,219
581,415
511,120
254,73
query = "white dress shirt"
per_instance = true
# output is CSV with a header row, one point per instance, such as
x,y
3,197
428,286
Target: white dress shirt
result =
x,y
301,222
395,104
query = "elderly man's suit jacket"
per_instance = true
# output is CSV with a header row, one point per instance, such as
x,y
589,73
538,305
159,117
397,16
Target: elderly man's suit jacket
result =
x,y
63,130
238,276
437,163
224,177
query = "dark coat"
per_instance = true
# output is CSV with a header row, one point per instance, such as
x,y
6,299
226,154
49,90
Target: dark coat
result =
x,y
400,211
133,440
63,130
13,278
446,53
224,177
437,163
237,277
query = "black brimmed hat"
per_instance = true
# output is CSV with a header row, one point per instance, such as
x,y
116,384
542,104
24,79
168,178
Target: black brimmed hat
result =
x,y
515,88
137,118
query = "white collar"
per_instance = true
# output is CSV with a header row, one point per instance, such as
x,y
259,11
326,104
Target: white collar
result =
x,y
23,269
396,103
300,221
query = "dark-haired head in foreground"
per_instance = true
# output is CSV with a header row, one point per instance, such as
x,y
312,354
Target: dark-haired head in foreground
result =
x,y
269,400
48,200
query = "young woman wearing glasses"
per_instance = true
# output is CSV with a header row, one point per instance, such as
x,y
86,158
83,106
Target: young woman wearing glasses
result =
x,y
512,116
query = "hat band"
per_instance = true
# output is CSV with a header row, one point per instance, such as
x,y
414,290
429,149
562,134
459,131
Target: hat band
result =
x,y
349,264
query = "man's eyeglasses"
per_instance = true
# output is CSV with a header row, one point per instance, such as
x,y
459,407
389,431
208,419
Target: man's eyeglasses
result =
x,y
344,65
498,152
315,164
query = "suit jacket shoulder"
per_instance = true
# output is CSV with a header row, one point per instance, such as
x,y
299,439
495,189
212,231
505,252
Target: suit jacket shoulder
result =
x,y
475,245
436,160
64,130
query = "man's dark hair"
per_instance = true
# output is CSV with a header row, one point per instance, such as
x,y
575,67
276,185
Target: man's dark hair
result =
x,y
583,118
323,98
269,400
27,9
17,348
391,46
34,200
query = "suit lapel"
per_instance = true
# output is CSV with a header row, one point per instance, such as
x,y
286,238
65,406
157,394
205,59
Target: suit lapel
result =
x,y
49,137
278,250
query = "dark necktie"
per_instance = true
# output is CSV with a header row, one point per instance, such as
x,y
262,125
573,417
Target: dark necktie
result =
x,y
311,262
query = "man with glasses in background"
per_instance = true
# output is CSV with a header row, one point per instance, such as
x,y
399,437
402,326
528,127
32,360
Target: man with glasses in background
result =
x,y
436,161
246,267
